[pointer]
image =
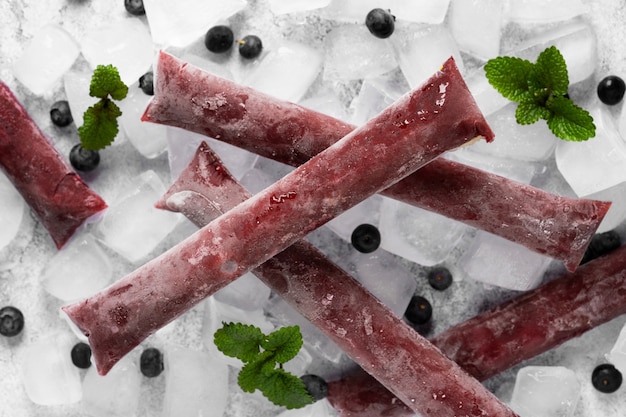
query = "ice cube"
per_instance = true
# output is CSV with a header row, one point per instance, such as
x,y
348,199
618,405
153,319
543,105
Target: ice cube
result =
x,y
353,53
545,391
286,71
617,212
116,394
421,11
466,17
376,94
596,164
295,6
150,139
11,211
389,281
49,376
533,142
196,384
353,11
50,53
78,270
366,212
500,262
421,51
487,98
418,235
132,226
76,83
617,355
320,408
327,103
125,44
247,293
519,171
544,11
178,23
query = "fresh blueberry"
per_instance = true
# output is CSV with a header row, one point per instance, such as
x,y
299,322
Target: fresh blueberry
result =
x,y
250,46
81,355
440,278
611,90
135,7
419,310
11,321
60,113
316,386
84,159
219,39
365,238
606,378
151,362
601,244
381,23
146,83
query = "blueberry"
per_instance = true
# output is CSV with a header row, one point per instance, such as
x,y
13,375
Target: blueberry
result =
x,y
381,23
419,310
250,46
84,159
605,378
11,321
601,244
219,39
316,386
60,113
134,7
146,83
151,362
81,355
611,90
365,238
440,278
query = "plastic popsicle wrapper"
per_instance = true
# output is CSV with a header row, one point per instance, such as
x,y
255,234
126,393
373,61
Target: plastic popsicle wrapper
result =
x,y
195,100
510,333
442,115
57,195
338,305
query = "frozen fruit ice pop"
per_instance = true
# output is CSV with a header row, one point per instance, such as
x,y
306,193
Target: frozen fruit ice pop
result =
x,y
510,333
57,194
196,100
366,160
337,304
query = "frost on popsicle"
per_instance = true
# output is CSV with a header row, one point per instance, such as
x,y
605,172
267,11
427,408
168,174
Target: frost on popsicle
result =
x,y
198,101
57,195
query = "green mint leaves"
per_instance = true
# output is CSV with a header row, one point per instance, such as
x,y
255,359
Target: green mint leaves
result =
x,y
541,90
261,354
100,120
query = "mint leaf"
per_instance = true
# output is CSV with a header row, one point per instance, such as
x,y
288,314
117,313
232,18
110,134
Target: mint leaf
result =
x,y
99,125
253,374
283,388
529,112
568,121
239,341
285,342
509,76
550,72
106,81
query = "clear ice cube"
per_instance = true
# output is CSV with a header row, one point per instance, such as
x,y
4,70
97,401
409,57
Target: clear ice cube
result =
x,y
353,53
49,54
487,98
286,71
12,209
416,234
617,355
295,6
320,408
366,212
178,23
545,391
116,394
132,226
500,262
544,11
421,51
76,83
420,11
603,157
125,44
376,94
247,293
477,26
49,376
516,170
78,270
196,384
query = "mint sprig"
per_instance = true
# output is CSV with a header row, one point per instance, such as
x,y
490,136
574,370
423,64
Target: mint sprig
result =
x,y
540,88
261,355
100,125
